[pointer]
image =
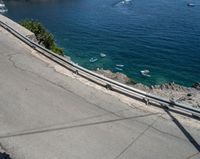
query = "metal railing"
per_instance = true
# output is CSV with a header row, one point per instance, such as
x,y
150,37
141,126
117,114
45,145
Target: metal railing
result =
x,y
104,81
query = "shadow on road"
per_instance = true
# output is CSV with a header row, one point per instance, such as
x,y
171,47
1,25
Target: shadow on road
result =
x,y
184,131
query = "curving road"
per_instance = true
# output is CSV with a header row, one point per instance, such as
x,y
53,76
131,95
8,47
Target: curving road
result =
x,y
44,114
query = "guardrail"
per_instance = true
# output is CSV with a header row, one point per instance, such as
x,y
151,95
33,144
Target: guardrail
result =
x,y
106,82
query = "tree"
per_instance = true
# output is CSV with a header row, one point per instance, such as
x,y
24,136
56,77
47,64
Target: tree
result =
x,y
42,35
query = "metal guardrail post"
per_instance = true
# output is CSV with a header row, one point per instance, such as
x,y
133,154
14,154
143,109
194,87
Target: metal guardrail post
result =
x,y
108,86
172,103
33,46
146,101
76,72
196,115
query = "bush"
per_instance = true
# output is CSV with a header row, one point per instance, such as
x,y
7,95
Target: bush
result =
x,y
42,35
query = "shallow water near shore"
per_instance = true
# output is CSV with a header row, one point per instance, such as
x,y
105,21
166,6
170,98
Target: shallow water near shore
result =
x,y
162,36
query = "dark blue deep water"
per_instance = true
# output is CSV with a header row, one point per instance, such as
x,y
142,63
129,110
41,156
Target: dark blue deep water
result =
x,y
162,36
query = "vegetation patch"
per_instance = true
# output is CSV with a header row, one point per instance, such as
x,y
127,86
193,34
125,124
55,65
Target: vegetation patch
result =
x,y
43,36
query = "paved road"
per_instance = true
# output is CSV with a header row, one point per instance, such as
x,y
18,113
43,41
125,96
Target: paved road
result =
x,y
44,114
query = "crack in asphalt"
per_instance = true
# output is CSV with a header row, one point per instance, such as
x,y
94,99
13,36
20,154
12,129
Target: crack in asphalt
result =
x,y
60,86
71,122
137,138
193,155
163,132
73,126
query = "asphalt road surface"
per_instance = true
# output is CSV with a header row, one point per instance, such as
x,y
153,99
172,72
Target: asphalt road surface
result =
x,y
46,115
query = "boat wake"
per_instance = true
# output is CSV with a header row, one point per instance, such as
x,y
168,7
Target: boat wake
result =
x,y
118,69
124,6
124,3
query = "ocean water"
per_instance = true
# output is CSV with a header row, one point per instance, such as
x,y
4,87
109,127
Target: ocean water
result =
x,y
162,36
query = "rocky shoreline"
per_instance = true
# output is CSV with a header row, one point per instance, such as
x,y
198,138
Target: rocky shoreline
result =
x,y
120,77
172,91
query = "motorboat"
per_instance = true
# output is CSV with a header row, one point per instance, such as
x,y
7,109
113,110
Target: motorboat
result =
x,y
93,59
2,5
119,65
102,55
190,4
145,73
3,8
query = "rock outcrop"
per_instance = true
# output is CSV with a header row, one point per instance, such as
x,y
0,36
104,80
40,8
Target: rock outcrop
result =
x,y
175,92
120,77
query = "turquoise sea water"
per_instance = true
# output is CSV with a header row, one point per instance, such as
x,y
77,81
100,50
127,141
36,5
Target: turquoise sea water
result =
x,y
162,36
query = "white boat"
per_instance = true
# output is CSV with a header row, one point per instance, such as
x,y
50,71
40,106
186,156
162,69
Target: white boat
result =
x,y
102,55
3,8
119,65
190,4
93,59
2,5
145,73
124,2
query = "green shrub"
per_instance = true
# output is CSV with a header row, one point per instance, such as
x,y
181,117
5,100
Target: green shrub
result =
x,y
42,35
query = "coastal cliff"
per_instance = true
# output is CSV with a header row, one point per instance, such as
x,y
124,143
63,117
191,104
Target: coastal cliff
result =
x,y
120,77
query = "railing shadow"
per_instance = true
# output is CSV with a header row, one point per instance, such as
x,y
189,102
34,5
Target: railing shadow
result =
x,y
184,131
